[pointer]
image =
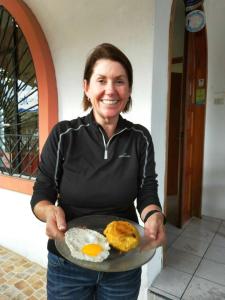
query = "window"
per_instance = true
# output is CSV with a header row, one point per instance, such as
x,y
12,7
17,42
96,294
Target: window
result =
x,y
18,102
39,86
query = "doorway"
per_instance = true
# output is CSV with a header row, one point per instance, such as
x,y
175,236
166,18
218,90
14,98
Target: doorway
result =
x,y
186,118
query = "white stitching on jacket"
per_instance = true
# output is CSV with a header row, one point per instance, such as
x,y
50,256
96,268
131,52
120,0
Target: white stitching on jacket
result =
x,y
58,148
146,155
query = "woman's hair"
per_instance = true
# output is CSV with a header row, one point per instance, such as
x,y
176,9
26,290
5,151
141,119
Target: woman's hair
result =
x,y
107,51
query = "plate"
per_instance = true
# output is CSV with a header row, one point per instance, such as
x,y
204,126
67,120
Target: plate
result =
x,y
116,261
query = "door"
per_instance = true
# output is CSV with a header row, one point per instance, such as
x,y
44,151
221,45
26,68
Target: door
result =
x,y
173,207
194,124
185,153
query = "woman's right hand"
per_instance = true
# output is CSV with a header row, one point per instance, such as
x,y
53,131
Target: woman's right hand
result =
x,y
55,222
54,217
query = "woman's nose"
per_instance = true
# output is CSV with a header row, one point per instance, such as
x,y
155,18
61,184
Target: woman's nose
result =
x,y
110,87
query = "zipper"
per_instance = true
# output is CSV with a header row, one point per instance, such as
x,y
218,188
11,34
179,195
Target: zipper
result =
x,y
106,145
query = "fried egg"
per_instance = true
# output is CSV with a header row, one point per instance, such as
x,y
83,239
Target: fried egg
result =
x,y
87,244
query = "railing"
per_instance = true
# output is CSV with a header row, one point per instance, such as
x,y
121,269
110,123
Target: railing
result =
x,y
19,155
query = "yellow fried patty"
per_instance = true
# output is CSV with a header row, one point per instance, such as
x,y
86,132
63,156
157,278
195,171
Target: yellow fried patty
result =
x,y
122,235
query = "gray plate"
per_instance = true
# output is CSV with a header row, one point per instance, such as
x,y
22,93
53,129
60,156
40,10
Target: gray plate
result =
x,y
116,261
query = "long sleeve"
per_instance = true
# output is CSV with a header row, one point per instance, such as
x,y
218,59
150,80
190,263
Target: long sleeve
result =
x,y
49,170
148,184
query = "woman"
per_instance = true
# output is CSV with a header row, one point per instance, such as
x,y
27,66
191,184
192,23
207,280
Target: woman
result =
x,y
97,164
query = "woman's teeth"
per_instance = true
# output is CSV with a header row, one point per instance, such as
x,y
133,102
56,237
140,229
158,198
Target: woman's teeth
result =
x,y
105,101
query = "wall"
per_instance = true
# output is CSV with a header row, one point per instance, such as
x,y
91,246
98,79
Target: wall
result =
x,y
159,100
77,26
214,157
20,230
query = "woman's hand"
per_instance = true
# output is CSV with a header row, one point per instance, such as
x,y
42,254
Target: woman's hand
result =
x,y
155,229
54,217
155,235
55,222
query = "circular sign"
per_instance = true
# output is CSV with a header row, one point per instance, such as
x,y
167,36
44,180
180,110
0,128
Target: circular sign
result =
x,y
195,21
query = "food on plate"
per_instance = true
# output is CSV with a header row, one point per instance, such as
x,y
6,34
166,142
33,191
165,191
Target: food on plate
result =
x,y
122,235
87,244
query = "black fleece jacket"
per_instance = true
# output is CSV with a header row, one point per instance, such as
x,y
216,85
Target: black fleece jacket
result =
x,y
90,174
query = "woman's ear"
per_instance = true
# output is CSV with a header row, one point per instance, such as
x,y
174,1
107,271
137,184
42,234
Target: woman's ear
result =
x,y
130,91
85,87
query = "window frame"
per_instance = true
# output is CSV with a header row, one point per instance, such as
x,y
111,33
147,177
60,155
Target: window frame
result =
x,y
46,82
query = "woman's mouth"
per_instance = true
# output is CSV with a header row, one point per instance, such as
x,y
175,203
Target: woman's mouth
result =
x,y
109,102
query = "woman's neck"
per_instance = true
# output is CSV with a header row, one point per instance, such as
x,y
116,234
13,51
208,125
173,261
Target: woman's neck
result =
x,y
109,125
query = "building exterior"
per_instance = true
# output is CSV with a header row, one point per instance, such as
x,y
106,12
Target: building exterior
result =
x,y
141,29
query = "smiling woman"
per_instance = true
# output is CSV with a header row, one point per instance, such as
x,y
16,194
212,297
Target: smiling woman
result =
x,y
27,90
98,164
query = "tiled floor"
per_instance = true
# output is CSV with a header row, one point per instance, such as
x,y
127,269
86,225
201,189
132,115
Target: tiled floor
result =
x,y
194,262
20,279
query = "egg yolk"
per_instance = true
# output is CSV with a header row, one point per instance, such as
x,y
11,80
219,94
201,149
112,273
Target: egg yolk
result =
x,y
92,249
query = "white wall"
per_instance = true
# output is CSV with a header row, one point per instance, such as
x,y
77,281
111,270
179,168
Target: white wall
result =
x,y
213,202
20,230
159,101
73,28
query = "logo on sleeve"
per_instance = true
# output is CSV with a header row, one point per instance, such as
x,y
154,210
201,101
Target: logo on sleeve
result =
x,y
124,155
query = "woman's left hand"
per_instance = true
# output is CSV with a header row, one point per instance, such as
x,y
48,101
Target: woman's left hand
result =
x,y
155,234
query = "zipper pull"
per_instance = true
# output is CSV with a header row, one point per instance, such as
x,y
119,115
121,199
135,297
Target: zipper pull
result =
x,y
106,154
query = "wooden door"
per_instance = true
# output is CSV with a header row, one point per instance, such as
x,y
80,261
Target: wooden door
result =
x,y
173,205
194,124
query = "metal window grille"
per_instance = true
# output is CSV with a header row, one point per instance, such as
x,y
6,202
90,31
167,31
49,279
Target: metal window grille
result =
x,y
18,102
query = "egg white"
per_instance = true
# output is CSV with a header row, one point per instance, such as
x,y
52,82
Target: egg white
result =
x,y
76,238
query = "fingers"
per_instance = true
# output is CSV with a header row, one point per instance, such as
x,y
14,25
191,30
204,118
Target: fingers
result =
x,y
153,225
151,230
60,219
154,232
149,243
55,223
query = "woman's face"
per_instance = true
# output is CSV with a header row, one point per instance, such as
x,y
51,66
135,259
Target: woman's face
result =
x,y
108,90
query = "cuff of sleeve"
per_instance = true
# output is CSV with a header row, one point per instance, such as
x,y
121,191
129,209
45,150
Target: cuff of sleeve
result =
x,y
151,212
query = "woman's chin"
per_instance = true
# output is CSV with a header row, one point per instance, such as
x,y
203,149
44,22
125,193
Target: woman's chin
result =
x,y
110,113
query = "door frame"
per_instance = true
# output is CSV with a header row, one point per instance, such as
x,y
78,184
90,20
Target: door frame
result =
x,y
193,125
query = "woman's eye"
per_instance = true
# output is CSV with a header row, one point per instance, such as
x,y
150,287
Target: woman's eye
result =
x,y
120,81
101,80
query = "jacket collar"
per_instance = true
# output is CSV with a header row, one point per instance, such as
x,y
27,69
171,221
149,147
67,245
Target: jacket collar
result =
x,y
122,123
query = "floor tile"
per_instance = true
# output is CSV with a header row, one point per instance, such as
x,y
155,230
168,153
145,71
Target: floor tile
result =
x,y
211,219
216,253
222,228
170,239
182,261
173,229
202,289
164,295
200,233
193,246
212,271
152,296
171,282
219,239
212,225
20,278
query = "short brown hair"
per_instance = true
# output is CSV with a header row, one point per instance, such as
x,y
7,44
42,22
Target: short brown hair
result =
x,y
107,51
